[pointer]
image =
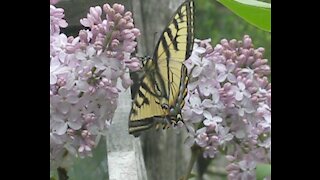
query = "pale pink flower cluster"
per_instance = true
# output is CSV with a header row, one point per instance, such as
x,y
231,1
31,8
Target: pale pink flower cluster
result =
x,y
228,106
84,74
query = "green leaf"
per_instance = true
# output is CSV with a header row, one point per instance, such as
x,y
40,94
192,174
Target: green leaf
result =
x,y
255,12
263,170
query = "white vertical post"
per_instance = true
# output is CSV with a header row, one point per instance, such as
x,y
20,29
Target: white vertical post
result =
x,y
125,158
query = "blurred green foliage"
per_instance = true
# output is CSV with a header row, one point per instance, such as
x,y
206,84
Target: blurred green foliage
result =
x,y
263,170
94,167
213,20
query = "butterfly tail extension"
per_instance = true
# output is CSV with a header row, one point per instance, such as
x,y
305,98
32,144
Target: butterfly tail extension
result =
x,y
136,127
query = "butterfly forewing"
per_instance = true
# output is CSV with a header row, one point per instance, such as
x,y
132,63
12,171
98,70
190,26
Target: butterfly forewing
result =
x,y
173,48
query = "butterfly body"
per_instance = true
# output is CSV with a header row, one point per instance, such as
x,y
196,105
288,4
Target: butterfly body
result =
x,y
159,97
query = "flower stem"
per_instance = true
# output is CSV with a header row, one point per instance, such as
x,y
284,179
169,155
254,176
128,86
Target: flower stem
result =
x,y
195,152
107,40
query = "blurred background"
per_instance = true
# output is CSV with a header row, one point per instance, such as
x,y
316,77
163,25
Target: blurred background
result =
x,y
215,21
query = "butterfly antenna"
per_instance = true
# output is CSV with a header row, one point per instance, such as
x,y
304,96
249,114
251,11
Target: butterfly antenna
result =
x,y
154,40
139,57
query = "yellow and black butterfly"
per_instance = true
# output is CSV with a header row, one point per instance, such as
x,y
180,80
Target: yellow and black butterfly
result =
x,y
163,86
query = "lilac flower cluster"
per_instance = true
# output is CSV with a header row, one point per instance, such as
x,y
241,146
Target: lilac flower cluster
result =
x,y
84,72
228,105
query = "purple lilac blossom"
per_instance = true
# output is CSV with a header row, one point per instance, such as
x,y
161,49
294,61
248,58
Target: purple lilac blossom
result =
x,y
228,105
84,72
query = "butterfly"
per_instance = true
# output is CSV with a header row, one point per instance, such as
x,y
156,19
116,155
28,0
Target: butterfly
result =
x,y
160,94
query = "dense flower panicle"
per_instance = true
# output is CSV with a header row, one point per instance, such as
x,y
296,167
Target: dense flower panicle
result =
x,y
115,34
84,72
56,20
228,105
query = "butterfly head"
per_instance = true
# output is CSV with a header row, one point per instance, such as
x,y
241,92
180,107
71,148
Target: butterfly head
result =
x,y
145,58
165,106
